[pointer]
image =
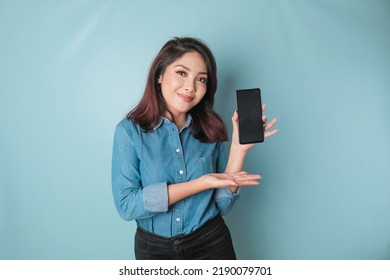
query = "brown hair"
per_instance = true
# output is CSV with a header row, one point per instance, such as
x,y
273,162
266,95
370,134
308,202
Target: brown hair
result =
x,y
206,125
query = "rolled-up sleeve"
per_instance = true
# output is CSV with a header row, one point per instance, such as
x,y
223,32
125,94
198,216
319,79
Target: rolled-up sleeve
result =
x,y
132,200
224,198
156,198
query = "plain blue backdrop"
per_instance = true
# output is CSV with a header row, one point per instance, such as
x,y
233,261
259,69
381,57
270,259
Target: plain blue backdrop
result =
x,y
70,70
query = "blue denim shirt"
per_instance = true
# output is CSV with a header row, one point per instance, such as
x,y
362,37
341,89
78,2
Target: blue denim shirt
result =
x,y
144,163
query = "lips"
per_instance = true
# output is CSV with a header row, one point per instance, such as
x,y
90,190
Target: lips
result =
x,y
185,97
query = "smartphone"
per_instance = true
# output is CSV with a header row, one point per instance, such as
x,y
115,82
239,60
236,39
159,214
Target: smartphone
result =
x,y
250,122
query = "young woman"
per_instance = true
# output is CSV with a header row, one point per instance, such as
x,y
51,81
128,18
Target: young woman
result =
x,y
170,170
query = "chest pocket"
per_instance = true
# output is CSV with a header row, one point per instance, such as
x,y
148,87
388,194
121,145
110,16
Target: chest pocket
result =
x,y
206,165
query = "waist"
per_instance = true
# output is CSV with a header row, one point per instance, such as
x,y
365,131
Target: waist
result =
x,y
201,232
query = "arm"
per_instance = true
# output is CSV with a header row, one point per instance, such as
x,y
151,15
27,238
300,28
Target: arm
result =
x,y
177,192
238,151
132,200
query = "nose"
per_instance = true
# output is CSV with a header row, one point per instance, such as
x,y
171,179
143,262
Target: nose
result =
x,y
189,86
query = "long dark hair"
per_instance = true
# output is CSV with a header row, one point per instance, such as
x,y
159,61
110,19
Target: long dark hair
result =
x,y
206,125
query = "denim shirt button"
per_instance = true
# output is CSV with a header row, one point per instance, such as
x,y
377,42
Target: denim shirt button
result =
x,y
181,172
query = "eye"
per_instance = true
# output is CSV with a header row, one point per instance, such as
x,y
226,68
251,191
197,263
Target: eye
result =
x,y
203,80
181,73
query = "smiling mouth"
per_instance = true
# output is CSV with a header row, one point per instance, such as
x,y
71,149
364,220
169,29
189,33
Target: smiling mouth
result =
x,y
185,98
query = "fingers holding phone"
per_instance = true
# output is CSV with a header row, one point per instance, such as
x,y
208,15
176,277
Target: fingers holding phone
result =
x,y
268,126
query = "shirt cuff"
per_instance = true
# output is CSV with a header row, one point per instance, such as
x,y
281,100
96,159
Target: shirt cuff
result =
x,y
225,193
155,197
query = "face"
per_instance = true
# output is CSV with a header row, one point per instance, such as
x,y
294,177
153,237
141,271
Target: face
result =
x,y
184,83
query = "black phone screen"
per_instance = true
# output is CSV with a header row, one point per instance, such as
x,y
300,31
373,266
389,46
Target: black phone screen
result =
x,y
250,123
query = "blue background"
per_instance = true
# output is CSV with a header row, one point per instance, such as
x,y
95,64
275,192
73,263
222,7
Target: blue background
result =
x,y
70,70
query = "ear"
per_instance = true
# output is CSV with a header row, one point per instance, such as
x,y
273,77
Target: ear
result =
x,y
159,81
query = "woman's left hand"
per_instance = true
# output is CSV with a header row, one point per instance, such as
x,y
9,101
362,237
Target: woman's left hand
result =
x,y
268,131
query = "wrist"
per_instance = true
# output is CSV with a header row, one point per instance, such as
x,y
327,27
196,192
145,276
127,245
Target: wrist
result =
x,y
203,183
237,147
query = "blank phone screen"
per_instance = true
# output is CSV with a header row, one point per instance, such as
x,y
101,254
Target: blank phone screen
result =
x,y
250,124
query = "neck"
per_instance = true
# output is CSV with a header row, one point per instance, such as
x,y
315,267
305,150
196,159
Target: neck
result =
x,y
179,120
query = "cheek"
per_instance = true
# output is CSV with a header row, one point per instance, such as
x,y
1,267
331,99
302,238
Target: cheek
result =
x,y
169,82
200,95
202,90
167,89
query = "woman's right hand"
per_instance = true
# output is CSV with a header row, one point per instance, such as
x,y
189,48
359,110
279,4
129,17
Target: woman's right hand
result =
x,y
223,180
179,191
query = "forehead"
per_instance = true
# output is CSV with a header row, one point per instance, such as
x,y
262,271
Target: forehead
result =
x,y
192,60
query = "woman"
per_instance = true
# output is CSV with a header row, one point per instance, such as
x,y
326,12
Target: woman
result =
x,y
170,171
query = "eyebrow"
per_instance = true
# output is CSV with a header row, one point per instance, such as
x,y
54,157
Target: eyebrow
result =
x,y
185,67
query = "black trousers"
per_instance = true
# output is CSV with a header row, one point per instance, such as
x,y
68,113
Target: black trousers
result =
x,y
212,241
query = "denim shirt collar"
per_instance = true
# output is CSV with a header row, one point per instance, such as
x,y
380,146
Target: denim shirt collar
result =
x,y
164,119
